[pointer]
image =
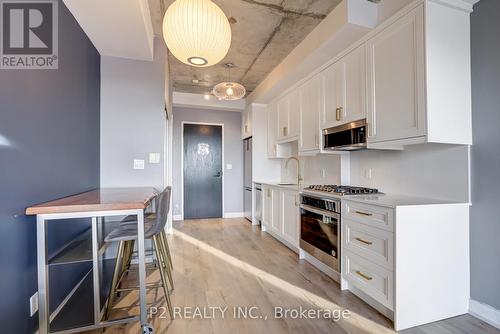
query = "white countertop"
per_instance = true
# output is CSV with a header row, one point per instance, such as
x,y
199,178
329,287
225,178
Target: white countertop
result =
x,y
281,185
395,200
382,199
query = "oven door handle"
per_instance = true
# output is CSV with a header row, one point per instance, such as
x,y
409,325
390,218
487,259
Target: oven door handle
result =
x,y
320,211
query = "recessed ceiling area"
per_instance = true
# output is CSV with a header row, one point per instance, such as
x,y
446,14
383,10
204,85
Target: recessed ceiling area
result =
x,y
264,32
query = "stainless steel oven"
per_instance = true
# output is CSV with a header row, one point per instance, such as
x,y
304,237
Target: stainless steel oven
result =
x,y
347,137
320,229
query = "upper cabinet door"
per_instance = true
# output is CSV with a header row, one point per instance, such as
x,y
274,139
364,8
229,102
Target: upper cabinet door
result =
x,y
294,114
395,66
272,129
354,108
283,118
334,97
310,108
246,123
344,85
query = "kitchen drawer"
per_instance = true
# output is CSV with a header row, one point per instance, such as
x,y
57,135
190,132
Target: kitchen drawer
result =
x,y
374,280
373,244
376,216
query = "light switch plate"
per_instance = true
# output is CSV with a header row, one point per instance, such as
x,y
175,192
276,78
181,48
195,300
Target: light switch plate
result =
x,y
154,158
229,166
33,304
138,164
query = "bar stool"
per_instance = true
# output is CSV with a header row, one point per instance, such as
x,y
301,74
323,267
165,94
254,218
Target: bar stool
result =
x,y
132,220
126,235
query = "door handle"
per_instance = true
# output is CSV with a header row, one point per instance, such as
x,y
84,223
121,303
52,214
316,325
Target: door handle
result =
x,y
218,174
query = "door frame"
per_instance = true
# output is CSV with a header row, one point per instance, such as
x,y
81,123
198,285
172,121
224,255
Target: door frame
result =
x,y
182,162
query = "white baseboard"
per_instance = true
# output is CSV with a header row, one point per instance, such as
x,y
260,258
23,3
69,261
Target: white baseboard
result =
x,y
234,214
177,217
485,312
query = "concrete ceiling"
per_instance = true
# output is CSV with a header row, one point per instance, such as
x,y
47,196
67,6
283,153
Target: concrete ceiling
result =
x,y
264,32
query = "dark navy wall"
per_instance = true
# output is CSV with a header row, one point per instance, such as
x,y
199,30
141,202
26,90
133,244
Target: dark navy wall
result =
x,y
49,148
485,153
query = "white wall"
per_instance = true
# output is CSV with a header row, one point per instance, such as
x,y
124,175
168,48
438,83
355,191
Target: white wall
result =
x,y
233,154
387,8
132,119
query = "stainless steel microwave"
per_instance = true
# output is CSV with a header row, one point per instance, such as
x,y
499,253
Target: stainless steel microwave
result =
x,y
346,137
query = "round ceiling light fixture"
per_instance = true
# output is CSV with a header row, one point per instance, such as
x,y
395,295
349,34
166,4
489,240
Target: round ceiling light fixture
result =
x,y
229,90
197,32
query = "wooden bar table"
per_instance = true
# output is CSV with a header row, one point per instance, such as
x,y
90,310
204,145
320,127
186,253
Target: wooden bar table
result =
x,y
95,204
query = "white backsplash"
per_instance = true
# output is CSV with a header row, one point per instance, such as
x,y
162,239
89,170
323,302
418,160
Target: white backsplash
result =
x,y
430,170
311,169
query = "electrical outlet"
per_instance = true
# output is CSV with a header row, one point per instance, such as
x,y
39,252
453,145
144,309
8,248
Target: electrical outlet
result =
x,y
33,304
322,173
154,158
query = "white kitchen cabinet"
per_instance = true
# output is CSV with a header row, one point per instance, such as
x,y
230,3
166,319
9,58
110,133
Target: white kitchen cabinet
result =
x,y
290,216
281,215
288,117
294,114
396,80
246,123
344,90
283,128
418,77
409,259
276,222
310,108
272,130
267,206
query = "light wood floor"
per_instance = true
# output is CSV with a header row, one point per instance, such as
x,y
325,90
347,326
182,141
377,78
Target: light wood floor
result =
x,y
229,263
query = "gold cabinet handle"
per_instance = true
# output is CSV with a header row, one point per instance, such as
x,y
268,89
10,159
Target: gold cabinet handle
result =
x,y
366,277
246,128
364,241
285,131
338,114
364,213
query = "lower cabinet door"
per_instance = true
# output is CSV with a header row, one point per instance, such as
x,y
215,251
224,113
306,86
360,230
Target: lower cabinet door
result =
x,y
267,206
275,225
290,217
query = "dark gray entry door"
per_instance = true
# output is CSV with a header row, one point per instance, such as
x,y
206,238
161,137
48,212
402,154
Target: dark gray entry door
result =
x,y
202,171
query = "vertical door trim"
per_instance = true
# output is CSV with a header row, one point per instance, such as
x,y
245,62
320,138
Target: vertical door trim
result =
x,y
182,163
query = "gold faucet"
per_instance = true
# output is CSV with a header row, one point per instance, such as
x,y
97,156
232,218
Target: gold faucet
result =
x,y
299,177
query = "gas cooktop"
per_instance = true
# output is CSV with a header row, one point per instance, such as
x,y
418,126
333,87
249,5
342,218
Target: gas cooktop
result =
x,y
342,190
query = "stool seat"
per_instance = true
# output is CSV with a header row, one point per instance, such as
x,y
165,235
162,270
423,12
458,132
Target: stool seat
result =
x,y
128,232
131,219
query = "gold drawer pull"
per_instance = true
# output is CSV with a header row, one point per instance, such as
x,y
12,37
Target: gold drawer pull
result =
x,y
368,278
364,213
364,241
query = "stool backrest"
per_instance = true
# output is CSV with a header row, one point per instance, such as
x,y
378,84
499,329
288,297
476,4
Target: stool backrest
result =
x,y
162,209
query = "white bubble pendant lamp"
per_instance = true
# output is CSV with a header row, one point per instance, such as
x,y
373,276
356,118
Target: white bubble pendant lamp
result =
x,y
197,32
